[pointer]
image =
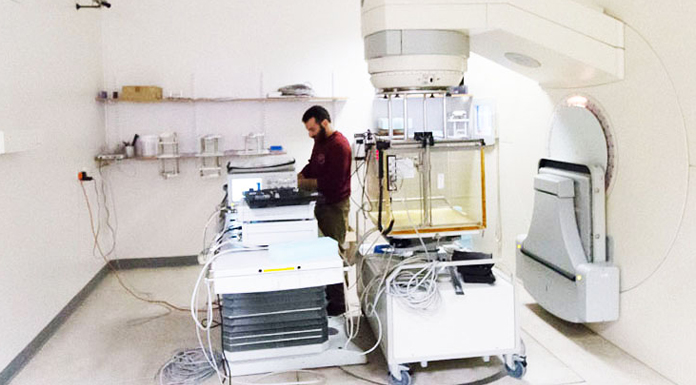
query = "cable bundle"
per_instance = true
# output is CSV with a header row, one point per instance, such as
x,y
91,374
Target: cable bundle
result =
x,y
418,290
189,367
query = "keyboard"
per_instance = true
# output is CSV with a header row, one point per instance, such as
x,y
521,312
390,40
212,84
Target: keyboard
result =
x,y
279,197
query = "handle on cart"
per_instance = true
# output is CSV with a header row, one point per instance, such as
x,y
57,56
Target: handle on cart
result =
x,y
456,282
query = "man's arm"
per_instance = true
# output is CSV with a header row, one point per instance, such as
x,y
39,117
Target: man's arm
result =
x,y
306,180
306,183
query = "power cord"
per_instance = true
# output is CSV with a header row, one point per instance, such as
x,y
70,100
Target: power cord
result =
x,y
361,378
113,269
113,229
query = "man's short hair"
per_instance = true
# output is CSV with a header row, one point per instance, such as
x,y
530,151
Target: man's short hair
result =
x,y
319,113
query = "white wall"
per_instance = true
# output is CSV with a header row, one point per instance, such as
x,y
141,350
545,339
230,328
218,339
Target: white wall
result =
x,y
224,49
650,213
49,75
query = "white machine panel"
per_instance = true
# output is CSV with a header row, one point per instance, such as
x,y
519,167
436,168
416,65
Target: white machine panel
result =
x,y
267,233
480,321
267,226
279,213
592,297
262,270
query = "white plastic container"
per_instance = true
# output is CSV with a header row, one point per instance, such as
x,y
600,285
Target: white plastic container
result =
x,y
146,146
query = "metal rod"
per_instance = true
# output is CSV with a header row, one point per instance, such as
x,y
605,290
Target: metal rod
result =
x,y
437,198
443,145
423,171
426,197
444,116
425,113
405,117
390,126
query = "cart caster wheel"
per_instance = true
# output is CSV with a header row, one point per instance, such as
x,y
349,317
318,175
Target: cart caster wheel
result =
x,y
405,379
519,369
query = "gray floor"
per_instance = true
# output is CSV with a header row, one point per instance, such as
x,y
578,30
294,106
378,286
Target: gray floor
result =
x,y
114,339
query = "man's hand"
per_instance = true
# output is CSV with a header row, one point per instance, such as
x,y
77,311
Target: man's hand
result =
x,y
306,184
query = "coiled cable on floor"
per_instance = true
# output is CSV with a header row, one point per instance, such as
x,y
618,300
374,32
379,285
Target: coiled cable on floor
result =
x,y
188,367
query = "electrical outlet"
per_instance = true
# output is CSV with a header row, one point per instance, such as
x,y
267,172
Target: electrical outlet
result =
x,y
105,157
85,173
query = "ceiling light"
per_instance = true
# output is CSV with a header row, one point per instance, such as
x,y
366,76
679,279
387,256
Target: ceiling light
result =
x,y
523,60
577,101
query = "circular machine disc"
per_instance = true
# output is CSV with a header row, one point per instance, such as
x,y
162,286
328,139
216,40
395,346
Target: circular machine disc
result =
x,y
578,136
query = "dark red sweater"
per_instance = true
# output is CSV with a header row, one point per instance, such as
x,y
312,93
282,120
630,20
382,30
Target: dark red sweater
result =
x,y
330,166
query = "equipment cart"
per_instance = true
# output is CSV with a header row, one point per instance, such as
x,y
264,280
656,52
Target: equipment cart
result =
x,y
480,321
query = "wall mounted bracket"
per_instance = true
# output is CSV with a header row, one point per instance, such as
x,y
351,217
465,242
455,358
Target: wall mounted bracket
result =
x,y
95,4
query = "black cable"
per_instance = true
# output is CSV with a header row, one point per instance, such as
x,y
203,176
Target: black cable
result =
x,y
380,175
223,203
213,323
364,185
389,228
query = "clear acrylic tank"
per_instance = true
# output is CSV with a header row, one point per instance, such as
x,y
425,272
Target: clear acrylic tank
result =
x,y
429,189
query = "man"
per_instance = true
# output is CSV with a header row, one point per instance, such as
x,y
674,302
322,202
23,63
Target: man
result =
x,y
328,172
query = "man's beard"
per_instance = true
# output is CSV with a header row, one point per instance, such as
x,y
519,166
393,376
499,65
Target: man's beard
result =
x,y
321,136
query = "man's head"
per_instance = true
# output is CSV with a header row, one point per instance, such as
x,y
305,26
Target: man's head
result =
x,y
318,122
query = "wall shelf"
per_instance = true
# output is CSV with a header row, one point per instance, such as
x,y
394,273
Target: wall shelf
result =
x,y
229,100
187,122
110,158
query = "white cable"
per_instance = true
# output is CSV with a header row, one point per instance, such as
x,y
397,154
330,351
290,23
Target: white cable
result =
x,y
207,224
211,256
418,293
370,308
99,225
379,337
352,329
210,360
209,313
187,367
221,376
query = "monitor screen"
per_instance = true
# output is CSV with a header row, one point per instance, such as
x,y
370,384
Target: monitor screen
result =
x,y
239,185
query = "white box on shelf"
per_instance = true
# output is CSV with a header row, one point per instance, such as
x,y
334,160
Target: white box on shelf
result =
x,y
19,140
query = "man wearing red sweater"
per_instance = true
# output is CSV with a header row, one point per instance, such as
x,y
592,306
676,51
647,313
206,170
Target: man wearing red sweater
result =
x,y
328,172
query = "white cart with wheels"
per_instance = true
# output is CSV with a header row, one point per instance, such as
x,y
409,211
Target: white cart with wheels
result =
x,y
481,322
